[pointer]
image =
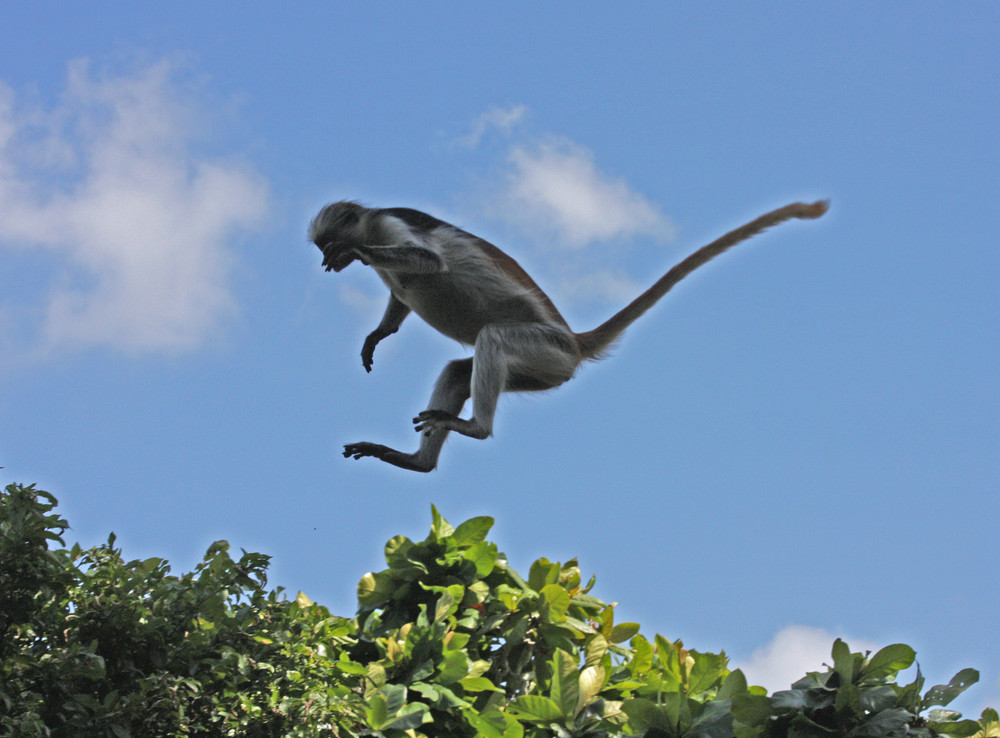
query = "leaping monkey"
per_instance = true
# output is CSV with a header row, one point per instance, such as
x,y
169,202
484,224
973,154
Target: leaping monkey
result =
x,y
471,291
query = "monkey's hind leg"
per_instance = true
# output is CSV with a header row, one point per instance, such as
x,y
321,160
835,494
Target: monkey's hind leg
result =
x,y
450,393
516,357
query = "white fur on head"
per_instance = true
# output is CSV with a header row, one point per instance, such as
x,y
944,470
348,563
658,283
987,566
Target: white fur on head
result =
x,y
335,217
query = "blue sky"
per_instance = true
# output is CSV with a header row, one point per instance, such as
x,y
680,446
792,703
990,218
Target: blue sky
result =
x,y
802,441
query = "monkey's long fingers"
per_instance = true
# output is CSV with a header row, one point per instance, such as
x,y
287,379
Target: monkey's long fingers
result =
x,y
362,449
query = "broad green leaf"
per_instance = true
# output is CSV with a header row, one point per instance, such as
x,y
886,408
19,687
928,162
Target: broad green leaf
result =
x,y
447,604
645,714
302,600
395,697
440,528
591,681
623,632
494,724
536,708
455,665
751,709
565,687
542,572
478,684
409,717
642,658
596,648
707,671
374,589
735,684
885,723
959,728
472,531
351,667
557,600
670,663
396,548
377,712
483,555
889,661
943,694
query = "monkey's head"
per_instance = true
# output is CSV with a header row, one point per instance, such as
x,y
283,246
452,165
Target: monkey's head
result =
x,y
336,230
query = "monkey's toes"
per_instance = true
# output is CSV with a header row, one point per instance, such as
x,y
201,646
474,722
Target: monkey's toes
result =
x,y
428,420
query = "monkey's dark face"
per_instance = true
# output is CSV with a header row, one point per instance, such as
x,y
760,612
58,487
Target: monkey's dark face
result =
x,y
335,232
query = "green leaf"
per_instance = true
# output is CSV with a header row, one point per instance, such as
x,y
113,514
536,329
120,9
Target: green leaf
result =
x,y
410,717
944,694
735,684
440,528
484,556
536,708
623,632
472,531
374,589
565,686
645,714
494,724
885,723
595,650
961,728
396,549
889,661
557,599
479,684
751,709
453,667
377,712
591,681
642,656
542,572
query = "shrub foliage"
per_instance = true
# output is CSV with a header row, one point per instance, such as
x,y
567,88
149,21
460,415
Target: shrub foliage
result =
x,y
447,641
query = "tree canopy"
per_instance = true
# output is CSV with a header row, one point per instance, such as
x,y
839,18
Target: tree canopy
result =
x,y
448,640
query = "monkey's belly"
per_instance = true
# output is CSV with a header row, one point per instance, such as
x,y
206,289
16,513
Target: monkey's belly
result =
x,y
461,316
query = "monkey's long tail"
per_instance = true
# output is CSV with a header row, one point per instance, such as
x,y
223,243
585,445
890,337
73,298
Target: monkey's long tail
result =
x,y
594,343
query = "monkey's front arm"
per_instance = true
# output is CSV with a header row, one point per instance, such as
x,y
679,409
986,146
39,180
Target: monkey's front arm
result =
x,y
395,314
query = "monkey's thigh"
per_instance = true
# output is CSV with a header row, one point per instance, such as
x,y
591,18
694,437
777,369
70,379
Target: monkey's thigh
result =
x,y
537,356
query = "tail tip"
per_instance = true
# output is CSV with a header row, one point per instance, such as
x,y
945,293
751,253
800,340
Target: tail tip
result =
x,y
813,210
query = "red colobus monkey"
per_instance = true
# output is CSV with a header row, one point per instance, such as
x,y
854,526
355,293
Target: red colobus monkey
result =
x,y
471,291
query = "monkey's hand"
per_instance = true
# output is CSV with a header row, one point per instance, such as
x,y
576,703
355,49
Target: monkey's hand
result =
x,y
368,350
337,256
388,455
362,449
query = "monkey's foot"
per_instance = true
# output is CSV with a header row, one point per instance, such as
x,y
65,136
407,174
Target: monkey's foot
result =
x,y
386,454
429,421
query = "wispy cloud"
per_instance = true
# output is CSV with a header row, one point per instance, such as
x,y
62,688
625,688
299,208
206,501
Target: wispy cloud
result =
x,y
555,187
502,119
794,651
109,181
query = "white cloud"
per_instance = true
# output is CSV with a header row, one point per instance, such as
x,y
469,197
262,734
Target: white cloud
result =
x,y
108,181
606,285
555,187
498,118
794,651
